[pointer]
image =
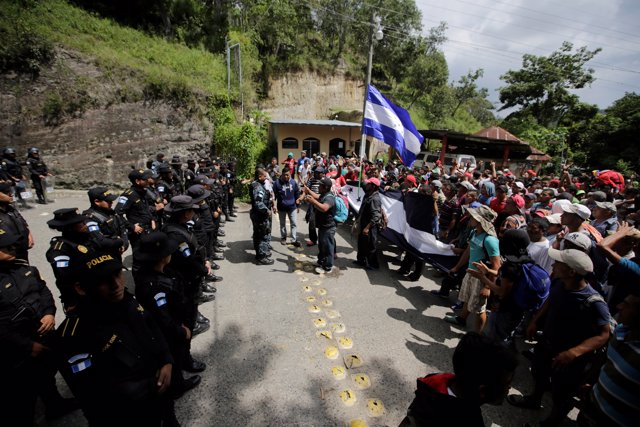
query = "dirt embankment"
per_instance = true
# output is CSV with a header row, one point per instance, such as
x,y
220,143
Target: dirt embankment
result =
x,y
93,125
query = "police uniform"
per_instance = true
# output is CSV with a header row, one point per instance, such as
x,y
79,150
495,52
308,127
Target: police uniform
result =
x,y
12,221
188,260
24,301
109,357
134,205
65,250
105,222
260,215
163,296
37,168
12,170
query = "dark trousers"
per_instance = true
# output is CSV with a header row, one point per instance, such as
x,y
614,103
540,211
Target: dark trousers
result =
x,y
326,247
410,261
21,386
368,248
564,381
38,187
261,237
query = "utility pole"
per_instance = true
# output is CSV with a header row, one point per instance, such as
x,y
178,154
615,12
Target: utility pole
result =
x,y
239,61
376,29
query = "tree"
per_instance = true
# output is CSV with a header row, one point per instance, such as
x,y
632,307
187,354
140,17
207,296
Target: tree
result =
x,y
541,87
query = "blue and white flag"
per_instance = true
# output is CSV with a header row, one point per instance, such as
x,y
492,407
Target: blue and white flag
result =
x,y
391,125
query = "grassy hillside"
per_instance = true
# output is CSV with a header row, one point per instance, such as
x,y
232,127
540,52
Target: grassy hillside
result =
x,y
165,70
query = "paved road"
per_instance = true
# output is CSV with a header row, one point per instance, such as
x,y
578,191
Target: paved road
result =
x,y
266,363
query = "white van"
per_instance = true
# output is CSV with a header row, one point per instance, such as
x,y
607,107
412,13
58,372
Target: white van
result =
x,y
426,158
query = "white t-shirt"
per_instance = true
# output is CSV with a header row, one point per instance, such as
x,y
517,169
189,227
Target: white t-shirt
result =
x,y
539,252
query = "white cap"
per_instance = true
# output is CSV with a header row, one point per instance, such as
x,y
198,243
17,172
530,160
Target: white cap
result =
x,y
578,239
520,185
576,260
556,208
554,218
580,210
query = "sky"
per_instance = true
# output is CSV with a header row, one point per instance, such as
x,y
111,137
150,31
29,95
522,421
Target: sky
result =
x,y
494,34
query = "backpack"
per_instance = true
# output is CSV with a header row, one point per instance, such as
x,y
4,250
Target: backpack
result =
x,y
533,287
342,212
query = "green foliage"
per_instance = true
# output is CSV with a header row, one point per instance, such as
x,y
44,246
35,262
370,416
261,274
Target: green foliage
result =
x,y
167,70
22,50
68,101
541,88
245,142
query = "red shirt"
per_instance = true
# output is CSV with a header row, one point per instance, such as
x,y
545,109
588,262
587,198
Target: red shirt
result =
x,y
497,205
291,164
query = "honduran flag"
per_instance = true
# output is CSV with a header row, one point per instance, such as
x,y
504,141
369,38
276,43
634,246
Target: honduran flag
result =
x,y
391,125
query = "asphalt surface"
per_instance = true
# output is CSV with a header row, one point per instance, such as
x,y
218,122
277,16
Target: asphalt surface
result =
x,y
267,364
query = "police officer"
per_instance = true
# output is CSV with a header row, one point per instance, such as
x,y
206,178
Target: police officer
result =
x,y
135,207
178,175
64,251
27,322
188,260
162,294
230,177
103,221
13,171
39,173
112,353
12,220
260,214
190,174
165,186
204,225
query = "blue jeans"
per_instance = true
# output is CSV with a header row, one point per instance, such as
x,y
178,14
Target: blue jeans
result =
x,y
326,247
293,220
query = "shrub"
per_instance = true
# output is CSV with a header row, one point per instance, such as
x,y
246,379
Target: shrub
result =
x,y
22,50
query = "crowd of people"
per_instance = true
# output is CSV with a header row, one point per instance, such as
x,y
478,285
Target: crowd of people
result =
x,y
125,358
548,258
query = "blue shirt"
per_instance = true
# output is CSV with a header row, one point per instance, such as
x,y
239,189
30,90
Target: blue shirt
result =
x,y
477,250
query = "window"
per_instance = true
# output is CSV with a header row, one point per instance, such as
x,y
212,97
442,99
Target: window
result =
x,y
311,146
290,143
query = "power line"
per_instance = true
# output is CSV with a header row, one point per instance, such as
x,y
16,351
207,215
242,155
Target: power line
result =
x,y
565,18
521,26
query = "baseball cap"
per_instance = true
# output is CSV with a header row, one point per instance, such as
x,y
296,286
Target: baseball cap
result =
x,y
576,260
598,196
101,194
554,219
580,210
468,185
608,206
94,264
412,179
374,181
436,183
580,240
518,200
140,174
290,155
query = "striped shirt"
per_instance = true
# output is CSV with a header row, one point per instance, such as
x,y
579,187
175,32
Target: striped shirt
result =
x,y
617,392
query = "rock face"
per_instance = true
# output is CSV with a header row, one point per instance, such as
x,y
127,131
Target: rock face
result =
x,y
312,96
100,141
92,126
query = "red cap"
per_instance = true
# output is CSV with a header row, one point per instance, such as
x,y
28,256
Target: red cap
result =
x,y
518,200
412,179
374,181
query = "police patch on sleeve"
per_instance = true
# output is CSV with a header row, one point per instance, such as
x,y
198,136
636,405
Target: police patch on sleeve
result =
x,y
80,362
161,189
122,200
62,261
93,226
161,299
184,249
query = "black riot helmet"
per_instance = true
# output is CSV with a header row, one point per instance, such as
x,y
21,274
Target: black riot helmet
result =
x,y
34,150
9,151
